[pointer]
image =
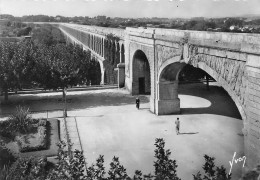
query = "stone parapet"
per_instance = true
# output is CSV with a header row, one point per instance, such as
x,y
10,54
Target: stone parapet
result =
x,y
247,43
98,30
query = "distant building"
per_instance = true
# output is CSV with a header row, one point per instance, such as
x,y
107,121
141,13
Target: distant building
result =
x,y
232,28
216,29
57,18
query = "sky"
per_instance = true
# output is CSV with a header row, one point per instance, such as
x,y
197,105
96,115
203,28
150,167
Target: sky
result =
x,y
131,8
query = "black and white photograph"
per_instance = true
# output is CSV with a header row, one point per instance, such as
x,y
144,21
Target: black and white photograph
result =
x,y
129,89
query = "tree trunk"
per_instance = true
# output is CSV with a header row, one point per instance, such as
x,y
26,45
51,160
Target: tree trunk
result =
x,y
6,94
65,103
63,94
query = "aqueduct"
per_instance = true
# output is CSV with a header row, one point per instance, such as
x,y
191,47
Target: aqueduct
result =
x,y
150,61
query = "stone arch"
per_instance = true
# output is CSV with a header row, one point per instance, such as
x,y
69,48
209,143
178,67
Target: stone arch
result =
x,y
96,71
92,41
168,79
167,97
171,72
102,47
102,72
122,53
224,84
117,55
141,73
113,53
105,77
168,62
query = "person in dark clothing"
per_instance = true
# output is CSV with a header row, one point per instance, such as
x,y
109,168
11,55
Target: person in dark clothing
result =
x,y
137,102
177,125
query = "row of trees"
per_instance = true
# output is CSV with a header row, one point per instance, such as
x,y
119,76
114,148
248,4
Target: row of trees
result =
x,y
45,61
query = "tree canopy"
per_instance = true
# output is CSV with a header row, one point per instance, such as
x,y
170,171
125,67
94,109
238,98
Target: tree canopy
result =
x,y
45,61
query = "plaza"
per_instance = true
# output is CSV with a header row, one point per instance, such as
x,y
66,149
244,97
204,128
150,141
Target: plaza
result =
x,y
109,124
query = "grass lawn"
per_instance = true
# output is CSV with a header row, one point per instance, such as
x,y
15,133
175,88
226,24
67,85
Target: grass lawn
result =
x,y
52,136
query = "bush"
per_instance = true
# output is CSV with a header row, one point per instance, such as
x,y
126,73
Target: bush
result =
x,y
38,142
25,169
211,171
24,31
6,157
6,130
42,122
19,122
72,166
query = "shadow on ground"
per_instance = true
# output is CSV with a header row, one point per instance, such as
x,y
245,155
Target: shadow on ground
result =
x,y
217,96
88,99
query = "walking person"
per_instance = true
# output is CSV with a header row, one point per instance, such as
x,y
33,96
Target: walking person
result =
x,y
177,125
137,102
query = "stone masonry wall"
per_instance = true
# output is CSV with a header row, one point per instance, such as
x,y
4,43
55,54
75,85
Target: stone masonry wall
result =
x,y
232,71
252,143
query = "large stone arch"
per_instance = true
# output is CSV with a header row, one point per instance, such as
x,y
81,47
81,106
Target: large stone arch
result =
x,y
102,71
225,85
141,73
167,101
122,53
228,72
121,64
168,78
131,47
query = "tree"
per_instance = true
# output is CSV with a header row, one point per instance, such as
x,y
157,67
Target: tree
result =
x,y
24,32
117,171
7,51
16,65
165,168
46,61
211,171
69,166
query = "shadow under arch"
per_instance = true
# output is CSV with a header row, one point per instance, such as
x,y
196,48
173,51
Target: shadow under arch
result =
x,y
141,74
168,86
225,86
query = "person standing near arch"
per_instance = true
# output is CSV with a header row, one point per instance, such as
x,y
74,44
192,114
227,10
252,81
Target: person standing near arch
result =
x,y
137,102
177,126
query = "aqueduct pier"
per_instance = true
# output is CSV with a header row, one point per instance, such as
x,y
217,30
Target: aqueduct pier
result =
x,y
149,61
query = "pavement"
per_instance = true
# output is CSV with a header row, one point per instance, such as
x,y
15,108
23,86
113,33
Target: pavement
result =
x,y
209,125
73,134
106,122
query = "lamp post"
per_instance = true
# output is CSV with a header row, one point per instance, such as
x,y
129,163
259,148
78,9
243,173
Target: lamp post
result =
x,y
65,102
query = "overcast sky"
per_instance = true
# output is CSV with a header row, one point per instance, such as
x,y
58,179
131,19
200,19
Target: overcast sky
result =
x,y
131,8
